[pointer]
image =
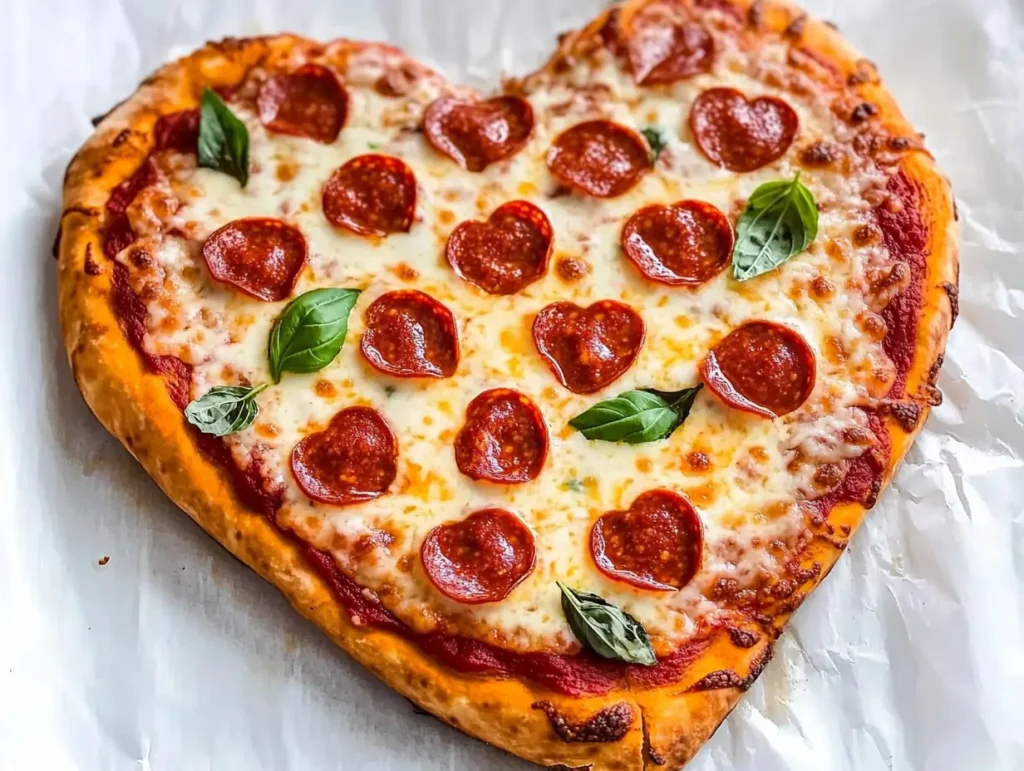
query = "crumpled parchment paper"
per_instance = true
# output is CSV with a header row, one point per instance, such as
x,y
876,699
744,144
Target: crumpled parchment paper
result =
x,y
172,655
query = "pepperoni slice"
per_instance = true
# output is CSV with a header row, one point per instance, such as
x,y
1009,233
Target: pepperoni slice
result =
x,y
410,334
477,134
599,158
351,461
661,52
738,134
504,254
657,543
684,244
480,559
503,440
761,367
371,195
588,348
309,102
260,256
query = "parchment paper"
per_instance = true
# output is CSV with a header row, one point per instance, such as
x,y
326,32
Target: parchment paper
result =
x,y
174,656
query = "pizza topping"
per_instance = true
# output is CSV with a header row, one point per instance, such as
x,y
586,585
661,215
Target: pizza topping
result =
x,y
738,134
259,256
588,348
599,158
351,461
657,543
309,102
684,244
177,131
410,334
662,53
504,254
635,417
761,367
656,141
224,410
311,331
610,724
223,143
605,629
479,559
503,440
780,220
371,195
477,134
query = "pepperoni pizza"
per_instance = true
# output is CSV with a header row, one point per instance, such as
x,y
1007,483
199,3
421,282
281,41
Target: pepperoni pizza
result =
x,y
549,407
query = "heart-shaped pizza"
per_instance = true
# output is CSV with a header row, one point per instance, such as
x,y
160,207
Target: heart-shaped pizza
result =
x,y
551,406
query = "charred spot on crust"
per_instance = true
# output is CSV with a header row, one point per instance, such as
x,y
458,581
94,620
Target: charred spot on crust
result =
x,y
608,725
755,13
92,267
933,373
906,413
862,112
795,29
727,678
953,293
121,138
743,638
818,154
864,71
930,395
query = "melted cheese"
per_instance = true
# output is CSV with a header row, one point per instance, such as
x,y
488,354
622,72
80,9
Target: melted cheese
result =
x,y
747,494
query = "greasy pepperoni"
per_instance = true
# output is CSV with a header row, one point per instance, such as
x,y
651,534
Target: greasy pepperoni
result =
x,y
477,134
410,334
351,461
503,440
177,131
599,158
656,544
309,102
661,52
371,195
738,134
761,367
684,244
504,254
479,559
260,256
588,348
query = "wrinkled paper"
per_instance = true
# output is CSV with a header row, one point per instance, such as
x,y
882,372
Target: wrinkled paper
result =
x,y
172,655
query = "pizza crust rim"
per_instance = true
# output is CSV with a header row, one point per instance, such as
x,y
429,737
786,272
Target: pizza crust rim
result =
x,y
669,725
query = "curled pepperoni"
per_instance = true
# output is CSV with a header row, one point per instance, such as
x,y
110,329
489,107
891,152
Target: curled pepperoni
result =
x,y
480,559
371,195
684,244
599,158
738,134
477,134
260,256
351,461
410,334
657,543
503,440
309,102
662,53
588,348
504,254
761,367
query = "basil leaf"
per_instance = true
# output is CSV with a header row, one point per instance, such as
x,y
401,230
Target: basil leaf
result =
x,y
224,410
656,140
635,417
780,220
605,629
223,138
311,331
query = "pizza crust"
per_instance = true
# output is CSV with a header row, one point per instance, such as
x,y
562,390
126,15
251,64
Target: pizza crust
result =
x,y
670,723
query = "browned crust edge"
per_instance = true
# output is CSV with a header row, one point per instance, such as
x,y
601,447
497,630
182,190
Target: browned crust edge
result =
x,y
133,404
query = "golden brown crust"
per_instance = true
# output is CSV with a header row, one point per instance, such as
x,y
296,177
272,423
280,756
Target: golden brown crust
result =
x,y
670,723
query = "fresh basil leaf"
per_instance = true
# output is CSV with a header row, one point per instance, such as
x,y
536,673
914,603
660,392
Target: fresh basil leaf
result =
x,y
656,140
311,331
780,220
223,138
224,410
635,417
605,629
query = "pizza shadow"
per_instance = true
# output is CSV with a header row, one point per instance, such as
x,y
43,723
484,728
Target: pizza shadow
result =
x,y
158,553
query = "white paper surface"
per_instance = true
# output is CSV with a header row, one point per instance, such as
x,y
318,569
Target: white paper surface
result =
x,y
174,656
